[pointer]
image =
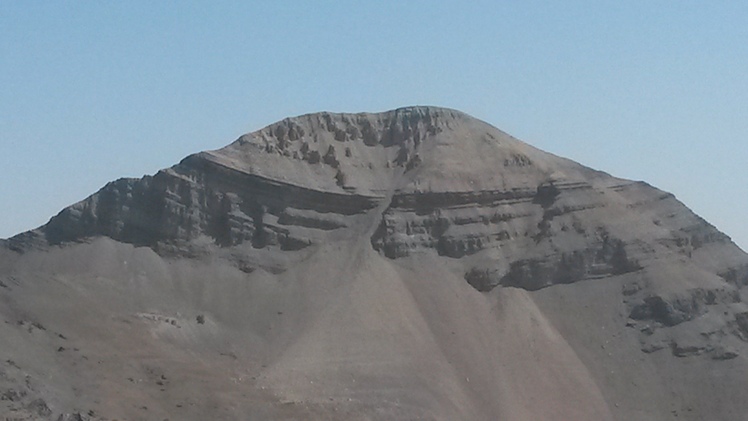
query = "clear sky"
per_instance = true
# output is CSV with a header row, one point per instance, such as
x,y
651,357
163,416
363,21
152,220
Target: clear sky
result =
x,y
649,90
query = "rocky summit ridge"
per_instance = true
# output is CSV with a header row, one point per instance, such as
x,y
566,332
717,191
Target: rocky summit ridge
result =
x,y
436,185
434,179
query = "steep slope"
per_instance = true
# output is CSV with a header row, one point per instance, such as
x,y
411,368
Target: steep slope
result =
x,y
412,264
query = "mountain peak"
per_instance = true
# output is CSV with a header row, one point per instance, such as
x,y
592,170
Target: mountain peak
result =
x,y
373,153
431,178
417,250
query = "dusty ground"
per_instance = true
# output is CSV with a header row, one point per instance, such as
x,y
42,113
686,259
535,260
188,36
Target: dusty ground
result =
x,y
116,330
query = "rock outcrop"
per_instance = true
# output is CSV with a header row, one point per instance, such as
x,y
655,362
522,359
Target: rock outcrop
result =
x,y
441,181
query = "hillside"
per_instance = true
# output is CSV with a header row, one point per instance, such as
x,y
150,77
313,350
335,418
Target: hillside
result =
x,y
411,264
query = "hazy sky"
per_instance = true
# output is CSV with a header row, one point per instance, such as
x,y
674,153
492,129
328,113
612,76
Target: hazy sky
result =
x,y
649,90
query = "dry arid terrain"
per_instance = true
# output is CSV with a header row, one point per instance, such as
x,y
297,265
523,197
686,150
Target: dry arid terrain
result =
x,y
416,264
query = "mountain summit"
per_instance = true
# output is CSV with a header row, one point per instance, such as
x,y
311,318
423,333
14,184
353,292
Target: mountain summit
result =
x,y
411,264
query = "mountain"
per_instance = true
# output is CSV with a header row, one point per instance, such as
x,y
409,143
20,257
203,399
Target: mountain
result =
x,y
411,264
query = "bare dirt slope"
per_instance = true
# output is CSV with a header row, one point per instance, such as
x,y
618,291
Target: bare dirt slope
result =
x,y
413,264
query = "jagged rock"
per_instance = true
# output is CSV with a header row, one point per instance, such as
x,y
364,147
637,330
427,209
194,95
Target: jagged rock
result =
x,y
313,157
330,158
659,310
676,310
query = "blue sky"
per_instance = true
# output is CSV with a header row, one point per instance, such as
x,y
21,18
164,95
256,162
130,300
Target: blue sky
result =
x,y
648,90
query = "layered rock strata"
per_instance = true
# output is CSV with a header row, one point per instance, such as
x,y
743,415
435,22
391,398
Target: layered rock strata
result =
x,y
427,180
407,248
442,182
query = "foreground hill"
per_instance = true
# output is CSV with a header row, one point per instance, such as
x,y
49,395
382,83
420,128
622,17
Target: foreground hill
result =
x,y
412,264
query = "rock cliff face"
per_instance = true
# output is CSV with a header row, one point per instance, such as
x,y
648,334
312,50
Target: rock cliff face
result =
x,y
441,181
433,184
